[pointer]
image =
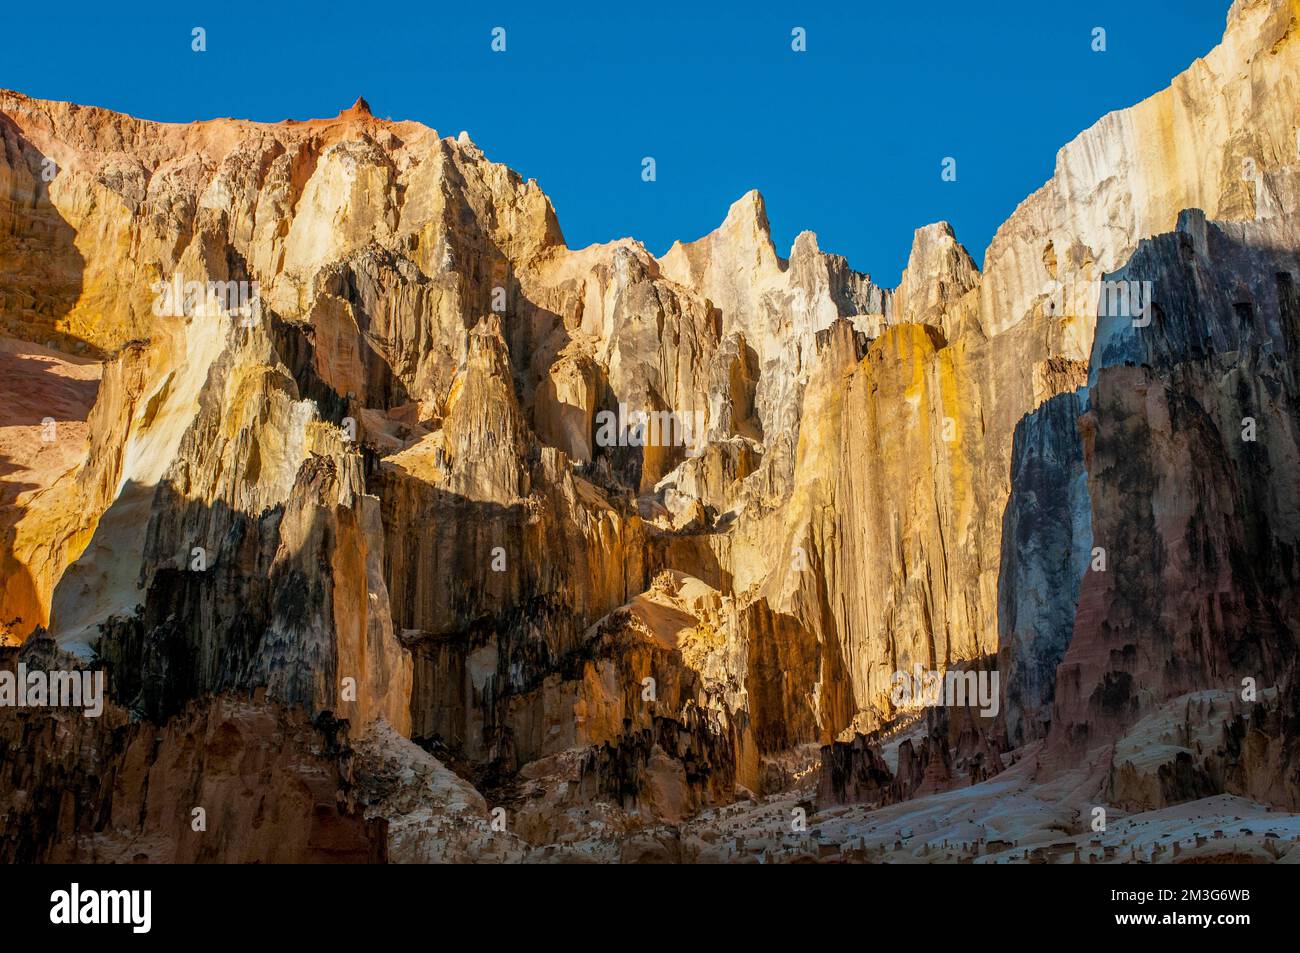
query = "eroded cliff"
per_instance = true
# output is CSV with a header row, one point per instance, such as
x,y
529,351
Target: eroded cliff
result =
x,y
349,444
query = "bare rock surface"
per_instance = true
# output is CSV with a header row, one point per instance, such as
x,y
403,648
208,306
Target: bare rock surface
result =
x,y
363,481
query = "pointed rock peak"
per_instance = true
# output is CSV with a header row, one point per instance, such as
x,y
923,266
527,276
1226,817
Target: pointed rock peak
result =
x,y
744,235
939,270
934,230
746,231
360,110
748,214
805,245
935,240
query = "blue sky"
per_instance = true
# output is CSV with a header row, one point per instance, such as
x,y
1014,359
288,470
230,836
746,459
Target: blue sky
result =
x,y
845,139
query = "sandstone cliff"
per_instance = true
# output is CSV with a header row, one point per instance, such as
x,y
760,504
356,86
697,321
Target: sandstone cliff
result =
x,y
352,451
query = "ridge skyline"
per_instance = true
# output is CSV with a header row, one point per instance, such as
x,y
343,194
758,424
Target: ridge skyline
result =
x,y
813,135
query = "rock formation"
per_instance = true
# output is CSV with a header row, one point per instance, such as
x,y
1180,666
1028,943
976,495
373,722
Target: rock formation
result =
x,y
449,542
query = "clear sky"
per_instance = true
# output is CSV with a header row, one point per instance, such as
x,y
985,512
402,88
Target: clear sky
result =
x,y
845,139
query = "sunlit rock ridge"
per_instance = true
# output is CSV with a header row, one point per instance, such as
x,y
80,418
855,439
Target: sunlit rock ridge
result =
x,y
403,531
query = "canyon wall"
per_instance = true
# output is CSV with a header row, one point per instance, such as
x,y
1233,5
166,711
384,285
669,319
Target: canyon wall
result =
x,y
347,436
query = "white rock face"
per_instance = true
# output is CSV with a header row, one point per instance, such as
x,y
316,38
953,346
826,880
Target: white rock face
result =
x,y
778,305
939,274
